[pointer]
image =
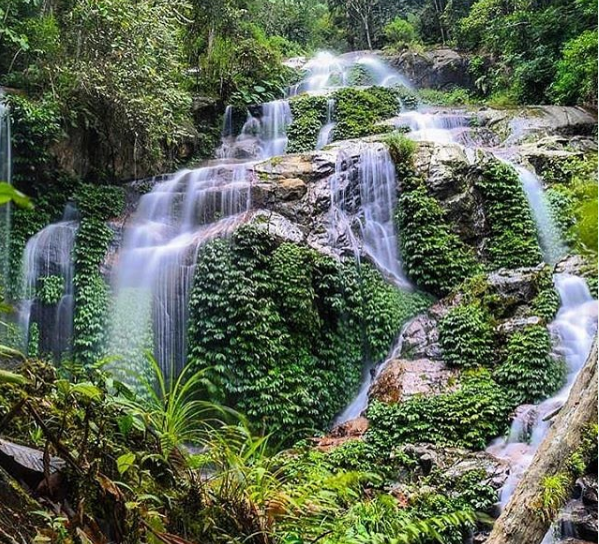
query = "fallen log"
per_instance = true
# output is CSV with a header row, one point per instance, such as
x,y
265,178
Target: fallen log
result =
x,y
522,521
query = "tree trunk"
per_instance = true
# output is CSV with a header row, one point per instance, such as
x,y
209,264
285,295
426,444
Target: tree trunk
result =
x,y
520,522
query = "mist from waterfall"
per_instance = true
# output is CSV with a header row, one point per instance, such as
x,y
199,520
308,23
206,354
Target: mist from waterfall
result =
x,y
154,273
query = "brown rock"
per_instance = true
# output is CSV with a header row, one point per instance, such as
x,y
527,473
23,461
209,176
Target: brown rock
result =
x,y
401,379
354,429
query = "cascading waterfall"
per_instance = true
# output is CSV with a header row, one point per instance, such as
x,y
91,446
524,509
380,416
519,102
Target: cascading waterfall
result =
x,y
324,135
549,233
260,137
371,210
154,274
48,254
574,328
6,176
371,373
276,117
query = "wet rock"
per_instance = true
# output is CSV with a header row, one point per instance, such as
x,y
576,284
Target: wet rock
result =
x,y
522,125
579,521
572,264
496,471
517,324
436,69
586,488
354,429
286,166
401,379
277,225
516,286
420,339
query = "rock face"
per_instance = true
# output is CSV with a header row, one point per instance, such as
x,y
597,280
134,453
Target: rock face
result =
x,y
401,379
536,122
436,69
354,429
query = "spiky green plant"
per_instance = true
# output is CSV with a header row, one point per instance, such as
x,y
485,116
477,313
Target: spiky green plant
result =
x,y
173,408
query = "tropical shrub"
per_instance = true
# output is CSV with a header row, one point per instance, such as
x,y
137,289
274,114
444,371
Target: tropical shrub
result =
x,y
529,372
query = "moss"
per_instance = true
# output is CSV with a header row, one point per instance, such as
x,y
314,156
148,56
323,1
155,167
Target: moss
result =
x,y
529,372
469,417
357,111
513,238
466,336
434,257
282,320
309,114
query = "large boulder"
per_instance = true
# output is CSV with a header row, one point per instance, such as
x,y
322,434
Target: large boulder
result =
x,y
435,69
401,379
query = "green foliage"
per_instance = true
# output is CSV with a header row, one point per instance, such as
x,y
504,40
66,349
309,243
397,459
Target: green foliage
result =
x,y
453,97
434,257
576,74
101,202
529,372
400,33
358,110
525,41
466,336
554,494
546,303
468,417
281,320
513,239
50,290
309,114
173,409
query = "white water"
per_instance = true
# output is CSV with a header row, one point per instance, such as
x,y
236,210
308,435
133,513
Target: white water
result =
x,y
574,328
260,137
154,273
549,233
324,136
49,253
370,212
5,175
327,72
371,373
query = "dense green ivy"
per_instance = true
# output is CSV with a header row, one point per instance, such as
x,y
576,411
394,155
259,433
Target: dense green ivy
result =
x,y
529,372
309,114
285,330
466,336
357,111
513,237
50,289
547,301
434,257
96,205
468,417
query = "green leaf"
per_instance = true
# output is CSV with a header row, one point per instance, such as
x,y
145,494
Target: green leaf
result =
x,y
125,462
9,194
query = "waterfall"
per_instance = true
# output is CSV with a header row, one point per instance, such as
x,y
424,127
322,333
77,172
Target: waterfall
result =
x,y
372,210
276,117
574,328
6,176
440,128
260,137
549,234
371,373
324,136
153,277
48,254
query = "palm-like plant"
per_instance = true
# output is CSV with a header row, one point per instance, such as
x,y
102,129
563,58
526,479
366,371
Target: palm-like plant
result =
x,y
175,409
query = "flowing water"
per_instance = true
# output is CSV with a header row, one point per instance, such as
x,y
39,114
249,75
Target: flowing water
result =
x,y
154,273
49,254
325,133
371,212
6,176
573,328
549,233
